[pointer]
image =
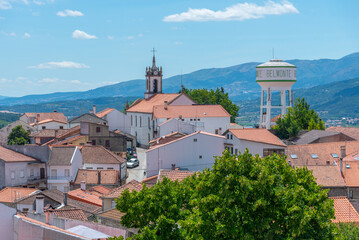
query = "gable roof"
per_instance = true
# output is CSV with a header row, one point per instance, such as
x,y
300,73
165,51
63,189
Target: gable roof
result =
x,y
50,133
189,111
104,112
71,213
167,138
131,186
260,135
349,131
61,156
13,194
327,176
174,175
110,177
303,153
90,196
112,213
50,120
58,116
8,155
184,137
313,135
146,105
100,155
351,173
344,211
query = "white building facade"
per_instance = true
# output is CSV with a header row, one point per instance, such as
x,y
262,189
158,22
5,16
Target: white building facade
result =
x,y
116,120
193,152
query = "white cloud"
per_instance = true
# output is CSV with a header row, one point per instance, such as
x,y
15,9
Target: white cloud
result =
x,y
82,35
130,37
140,35
49,80
27,35
69,13
110,37
64,64
38,3
5,5
75,81
238,12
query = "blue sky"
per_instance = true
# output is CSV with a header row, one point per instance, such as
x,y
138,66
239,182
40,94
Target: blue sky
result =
x,y
62,45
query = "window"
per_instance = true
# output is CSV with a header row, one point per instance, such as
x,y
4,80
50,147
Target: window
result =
x,y
351,194
195,140
107,143
236,151
109,168
99,168
12,175
89,168
54,188
43,127
232,150
231,136
67,172
149,137
194,119
293,156
22,174
140,121
220,131
191,119
93,142
54,173
31,172
334,155
66,189
328,162
98,129
199,119
61,127
314,156
131,120
227,136
270,151
149,123
347,165
200,156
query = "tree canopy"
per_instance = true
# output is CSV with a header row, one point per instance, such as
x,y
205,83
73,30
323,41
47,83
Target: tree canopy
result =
x,y
242,197
218,96
299,117
18,136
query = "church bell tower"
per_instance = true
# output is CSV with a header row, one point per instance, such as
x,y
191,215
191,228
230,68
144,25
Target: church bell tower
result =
x,y
153,79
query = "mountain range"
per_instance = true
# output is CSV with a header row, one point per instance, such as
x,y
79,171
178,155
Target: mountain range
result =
x,y
238,81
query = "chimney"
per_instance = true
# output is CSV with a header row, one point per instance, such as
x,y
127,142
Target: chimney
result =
x,y
173,166
37,118
39,204
166,105
65,199
49,217
94,109
83,185
342,155
55,111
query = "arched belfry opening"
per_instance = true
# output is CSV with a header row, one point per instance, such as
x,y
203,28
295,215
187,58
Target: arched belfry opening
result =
x,y
153,78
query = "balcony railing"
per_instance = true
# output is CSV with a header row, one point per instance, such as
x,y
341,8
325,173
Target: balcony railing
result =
x,y
59,178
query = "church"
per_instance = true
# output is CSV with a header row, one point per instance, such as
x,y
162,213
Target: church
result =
x,y
157,109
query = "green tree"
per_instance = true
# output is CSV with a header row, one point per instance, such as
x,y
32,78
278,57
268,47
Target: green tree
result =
x,y
18,136
242,197
347,231
218,96
299,117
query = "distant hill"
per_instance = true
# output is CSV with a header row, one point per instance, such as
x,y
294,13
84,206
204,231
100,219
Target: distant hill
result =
x,y
238,81
331,100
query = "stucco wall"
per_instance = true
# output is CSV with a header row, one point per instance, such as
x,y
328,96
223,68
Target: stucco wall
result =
x,y
175,125
186,153
95,166
142,129
52,125
18,168
7,224
118,120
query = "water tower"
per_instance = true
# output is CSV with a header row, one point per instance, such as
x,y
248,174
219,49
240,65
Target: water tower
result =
x,y
276,79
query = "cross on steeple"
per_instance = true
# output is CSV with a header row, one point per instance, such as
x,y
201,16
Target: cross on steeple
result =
x,y
154,59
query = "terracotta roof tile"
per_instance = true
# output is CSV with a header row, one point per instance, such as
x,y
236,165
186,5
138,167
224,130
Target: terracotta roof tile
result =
x,y
99,154
351,173
189,111
48,133
146,105
351,132
303,154
113,214
11,156
327,176
50,115
101,189
91,197
12,194
73,213
61,156
131,186
260,135
344,211
167,138
174,175
150,181
110,177
104,112
51,120
67,141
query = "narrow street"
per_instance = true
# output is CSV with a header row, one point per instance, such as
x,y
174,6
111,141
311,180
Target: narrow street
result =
x,y
138,173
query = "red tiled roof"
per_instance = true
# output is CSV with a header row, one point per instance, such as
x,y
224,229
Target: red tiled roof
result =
x,y
349,131
150,181
113,214
273,120
110,177
351,174
48,133
131,186
101,189
260,135
98,154
344,211
104,112
189,111
174,175
12,194
167,138
327,175
146,105
67,141
92,197
71,213
51,120
11,156
50,115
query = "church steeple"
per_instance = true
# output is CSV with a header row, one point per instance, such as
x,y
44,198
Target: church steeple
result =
x,y
153,78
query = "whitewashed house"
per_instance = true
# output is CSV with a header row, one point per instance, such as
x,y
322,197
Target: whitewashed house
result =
x,y
116,120
173,125
193,152
99,158
257,140
63,165
50,120
17,169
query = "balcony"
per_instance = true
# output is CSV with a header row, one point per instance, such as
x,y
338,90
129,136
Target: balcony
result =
x,y
58,179
35,180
